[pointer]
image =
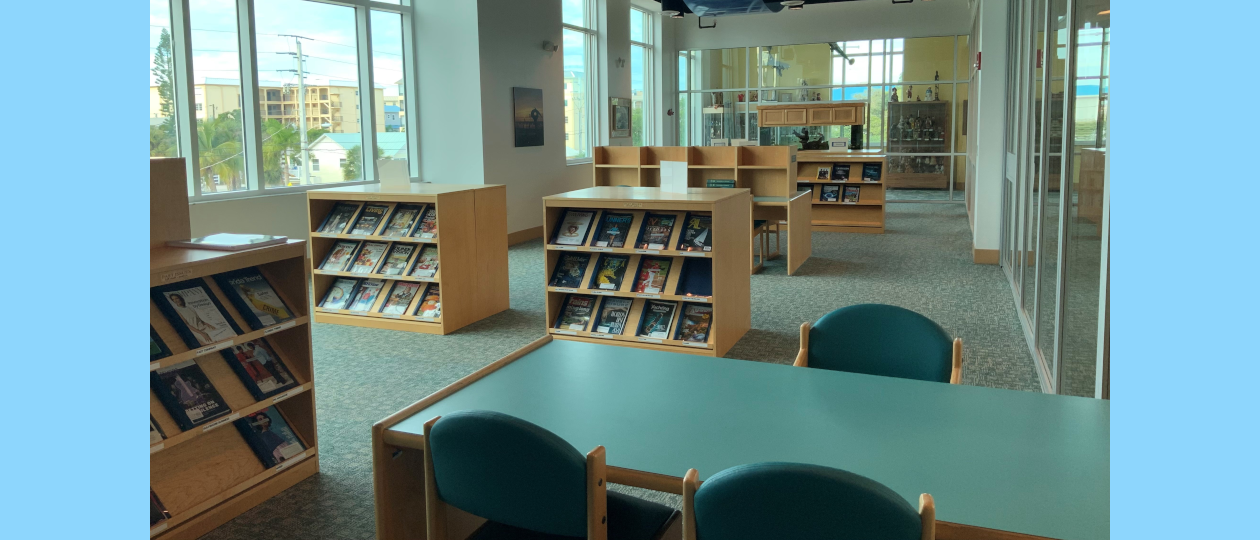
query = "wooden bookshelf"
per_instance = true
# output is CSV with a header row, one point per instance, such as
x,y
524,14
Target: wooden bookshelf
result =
x,y
731,229
208,475
864,216
471,241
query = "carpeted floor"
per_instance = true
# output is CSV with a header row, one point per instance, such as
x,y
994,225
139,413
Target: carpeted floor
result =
x,y
923,263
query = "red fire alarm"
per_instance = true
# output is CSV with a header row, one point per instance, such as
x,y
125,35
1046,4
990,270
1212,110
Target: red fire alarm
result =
x,y
977,66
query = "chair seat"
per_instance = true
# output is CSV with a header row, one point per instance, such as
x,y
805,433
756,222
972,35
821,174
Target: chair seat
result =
x,y
629,518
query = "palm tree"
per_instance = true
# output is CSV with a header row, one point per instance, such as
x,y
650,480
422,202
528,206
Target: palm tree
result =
x,y
219,150
280,147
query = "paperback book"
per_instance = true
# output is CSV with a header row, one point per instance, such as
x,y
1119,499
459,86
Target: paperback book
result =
x,y
187,394
339,218
195,312
399,298
693,324
613,314
573,227
339,294
157,510
824,173
613,228
370,219
254,297
339,257
871,172
719,183
402,220
261,370
396,260
157,347
229,241
851,194
697,234
368,257
576,312
840,173
428,224
830,194
611,269
570,268
653,271
365,296
270,437
156,435
696,278
656,319
656,231
426,265
431,304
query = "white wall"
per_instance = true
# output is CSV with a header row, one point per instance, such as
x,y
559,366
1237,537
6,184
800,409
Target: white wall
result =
x,y
614,80
270,214
449,95
990,128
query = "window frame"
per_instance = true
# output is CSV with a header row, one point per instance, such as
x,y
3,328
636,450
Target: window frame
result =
x,y
590,32
649,83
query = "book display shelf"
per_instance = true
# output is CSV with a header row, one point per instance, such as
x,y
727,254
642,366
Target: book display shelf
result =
x,y
849,196
428,258
232,404
640,267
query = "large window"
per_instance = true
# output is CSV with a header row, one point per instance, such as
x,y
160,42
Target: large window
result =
x,y
579,78
163,133
641,78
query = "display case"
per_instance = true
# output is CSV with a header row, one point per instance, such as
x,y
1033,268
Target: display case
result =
x,y
919,127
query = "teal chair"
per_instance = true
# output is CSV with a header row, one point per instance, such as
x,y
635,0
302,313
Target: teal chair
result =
x,y
800,502
527,483
878,339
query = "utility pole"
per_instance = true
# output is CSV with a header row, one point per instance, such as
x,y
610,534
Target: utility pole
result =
x,y
301,76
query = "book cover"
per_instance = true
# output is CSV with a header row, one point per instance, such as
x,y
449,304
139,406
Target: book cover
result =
x,y
570,268
370,219
613,314
396,261
871,172
157,347
431,304
696,278
851,194
254,297
365,296
613,228
573,227
229,241
339,218
399,298
719,183
368,257
270,436
576,312
157,510
195,312
840,173
340,255
187,394
428,224
693,323
830,194
260,368
656,230
656,319
339,294
824,173
156,435
697,234
426,265
610,270
653,271
403,219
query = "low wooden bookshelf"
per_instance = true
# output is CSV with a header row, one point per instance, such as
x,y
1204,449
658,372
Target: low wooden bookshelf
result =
x,y
731,251
864,216
471,241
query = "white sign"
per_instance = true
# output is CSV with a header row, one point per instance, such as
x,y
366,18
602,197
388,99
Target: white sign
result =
x,y
674,176
839,144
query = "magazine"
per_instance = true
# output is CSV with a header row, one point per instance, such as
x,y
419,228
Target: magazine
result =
x,y
656,319
573,227
426,265
613,228
270,436
368,257
339,257
431,305
611,270
365,295
402,220
195,312
656,230
396,261
339,218
871,172
696,278
840,173
576,312
370,219
156,435
254,297
851,194
259,368
339,294
694,323
157,347
187,394
830,194
569,270
613,313
157,511
229,241
428,224
697,233
399,298
653,271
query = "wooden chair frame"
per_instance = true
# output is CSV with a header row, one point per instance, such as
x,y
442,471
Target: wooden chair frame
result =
x,y
596,493
802,355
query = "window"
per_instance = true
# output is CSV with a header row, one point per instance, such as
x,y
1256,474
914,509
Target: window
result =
x,y
217,87
641,78
163,133
314,164
198,106
579,77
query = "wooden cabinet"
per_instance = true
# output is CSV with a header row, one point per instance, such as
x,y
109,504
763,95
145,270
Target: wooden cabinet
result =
x,y
794,117
813,114
847,115
773,117
820,116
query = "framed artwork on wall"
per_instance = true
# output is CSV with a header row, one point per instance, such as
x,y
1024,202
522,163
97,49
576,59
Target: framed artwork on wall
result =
x,y
620,118
527,116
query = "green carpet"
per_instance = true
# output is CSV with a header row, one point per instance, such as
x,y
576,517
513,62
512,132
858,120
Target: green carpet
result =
x,y
923,263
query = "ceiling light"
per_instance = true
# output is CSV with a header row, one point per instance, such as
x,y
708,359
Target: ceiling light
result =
x,y
1105,12
794,4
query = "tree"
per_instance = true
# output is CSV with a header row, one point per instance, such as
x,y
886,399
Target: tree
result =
x,y
636,126
164,74
281,149
352,169
219,150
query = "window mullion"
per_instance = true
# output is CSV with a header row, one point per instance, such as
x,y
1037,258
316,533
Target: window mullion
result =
x,y
367,92
185,116
411,102
251,116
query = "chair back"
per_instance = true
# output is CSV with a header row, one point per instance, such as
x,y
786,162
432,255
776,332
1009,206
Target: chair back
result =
x,y
801,502
878,339
505,469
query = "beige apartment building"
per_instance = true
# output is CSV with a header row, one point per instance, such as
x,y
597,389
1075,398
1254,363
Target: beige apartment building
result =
x,y
334,106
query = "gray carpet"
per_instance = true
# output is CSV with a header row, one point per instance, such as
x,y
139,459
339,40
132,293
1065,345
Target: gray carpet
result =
x,y
923,263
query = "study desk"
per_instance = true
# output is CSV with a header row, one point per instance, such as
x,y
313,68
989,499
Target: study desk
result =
x,y
1000,464
795,211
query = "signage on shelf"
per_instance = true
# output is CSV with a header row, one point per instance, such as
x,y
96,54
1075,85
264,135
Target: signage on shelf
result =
x,y
279,327
221,422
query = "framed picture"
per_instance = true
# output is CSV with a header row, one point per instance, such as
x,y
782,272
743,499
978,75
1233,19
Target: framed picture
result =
x,y
527,116
824,173
620,109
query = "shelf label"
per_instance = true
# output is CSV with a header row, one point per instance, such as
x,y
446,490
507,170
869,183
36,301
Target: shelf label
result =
x,y
342,311
644,295
153,449
602,336
426,319
356,236
565,332
568,248
291,461
690,344
693,253
154,365
153,531
213,347
648,251
279,327
632,205
221,422
391,316
395,238
286,395
602,293
176,275
650,340
561,289
601,249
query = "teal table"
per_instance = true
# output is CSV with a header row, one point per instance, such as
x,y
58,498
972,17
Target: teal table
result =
x,y
996,461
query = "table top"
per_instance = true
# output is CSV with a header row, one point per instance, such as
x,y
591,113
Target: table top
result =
x,y
1015,461
412,188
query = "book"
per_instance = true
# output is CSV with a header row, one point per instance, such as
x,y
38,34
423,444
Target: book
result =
x,y
195,312
339,218
370,219
260,369
156,435
871,172
399,298
824,173
229,241
570,268
851,194
696,278
840,173
576,312
613,313
254,298
573,227
656,319
431,304
403,219
187,394
609,271
656,230
693,323
613,228
719,183
830,194
428,224
157,347
396,261
368,257
157,511
365,295
697,234
653,271
270,437
339,256
339,294
426,265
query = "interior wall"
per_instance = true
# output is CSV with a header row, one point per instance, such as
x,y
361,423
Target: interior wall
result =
x,y
271,214
614,80
990,127
449,96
